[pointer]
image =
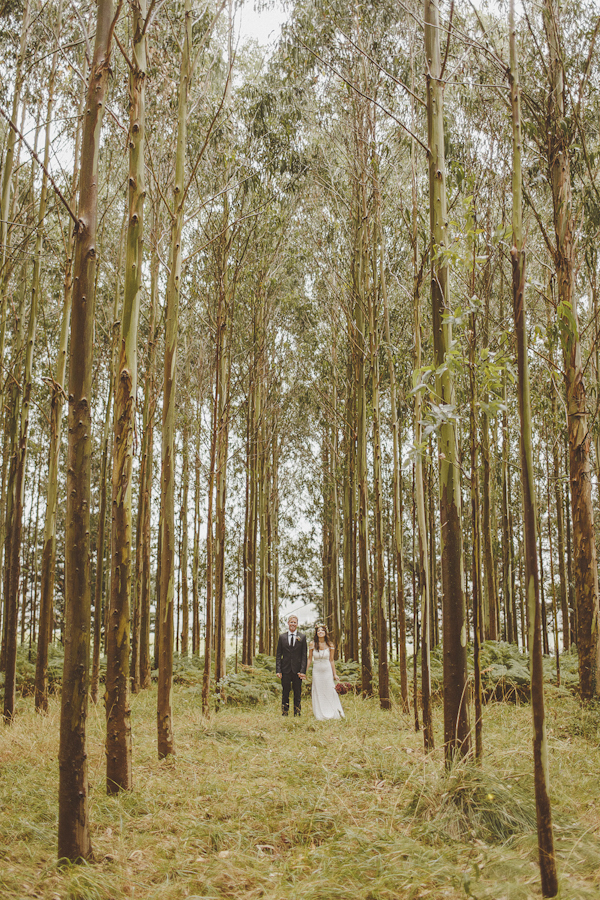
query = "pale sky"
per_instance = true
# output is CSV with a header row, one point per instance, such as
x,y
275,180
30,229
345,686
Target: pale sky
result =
x,y
264,25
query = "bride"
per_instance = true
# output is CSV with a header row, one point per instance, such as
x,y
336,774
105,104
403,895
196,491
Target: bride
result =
x,y
325,701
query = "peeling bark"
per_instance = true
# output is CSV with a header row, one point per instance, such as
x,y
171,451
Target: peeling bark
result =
x,y
73,822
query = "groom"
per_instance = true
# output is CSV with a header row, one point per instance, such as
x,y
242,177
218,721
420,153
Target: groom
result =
x,y
291,665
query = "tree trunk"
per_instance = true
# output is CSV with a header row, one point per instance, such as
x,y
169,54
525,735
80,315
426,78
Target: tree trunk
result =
x,y
419,498
35,293
560,526
12,524
100,614
35,564
435,625
19,435
361,304
101,546
249,519
415,575
261,414
223,364
118,712
275,545
349,517
11,611
363,508
167,524
56,408
571,592
208,634
456,711
545,643
336,609
326,527
196,550
185,492
585,569
552,583
540,746
382,625
146,468
6,188
511,634
73,824
489,567
476,569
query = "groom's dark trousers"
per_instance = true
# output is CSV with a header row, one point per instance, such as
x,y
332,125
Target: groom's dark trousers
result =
x,y
291,663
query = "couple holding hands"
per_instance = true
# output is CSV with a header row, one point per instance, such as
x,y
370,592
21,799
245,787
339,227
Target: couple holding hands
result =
x,y
291,665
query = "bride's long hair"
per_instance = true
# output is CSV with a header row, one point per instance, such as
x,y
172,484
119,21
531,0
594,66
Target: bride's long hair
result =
x,y
316,642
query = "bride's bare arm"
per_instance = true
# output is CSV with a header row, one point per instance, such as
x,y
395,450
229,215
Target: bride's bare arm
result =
x,y
310,654
332,661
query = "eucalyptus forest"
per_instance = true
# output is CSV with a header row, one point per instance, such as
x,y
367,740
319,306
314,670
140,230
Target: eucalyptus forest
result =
x,y
308,326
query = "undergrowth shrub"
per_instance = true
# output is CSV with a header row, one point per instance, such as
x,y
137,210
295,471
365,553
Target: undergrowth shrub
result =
x,y
26,659
467,803
585,723
504,673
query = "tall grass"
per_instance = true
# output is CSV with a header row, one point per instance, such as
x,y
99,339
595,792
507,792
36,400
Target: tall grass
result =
x,y
253,806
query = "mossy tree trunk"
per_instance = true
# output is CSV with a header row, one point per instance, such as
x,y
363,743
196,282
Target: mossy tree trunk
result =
x,y
73,821
118,712
585,570
456,711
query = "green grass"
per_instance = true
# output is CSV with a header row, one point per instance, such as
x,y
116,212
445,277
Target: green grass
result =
x,y
253,806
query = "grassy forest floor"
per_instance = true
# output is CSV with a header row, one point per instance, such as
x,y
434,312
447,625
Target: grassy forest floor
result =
x,y
256,806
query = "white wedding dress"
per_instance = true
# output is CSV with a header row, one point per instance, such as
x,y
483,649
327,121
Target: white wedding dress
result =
x,y
325,701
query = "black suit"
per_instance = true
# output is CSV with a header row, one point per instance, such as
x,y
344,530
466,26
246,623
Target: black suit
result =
x,y
291,663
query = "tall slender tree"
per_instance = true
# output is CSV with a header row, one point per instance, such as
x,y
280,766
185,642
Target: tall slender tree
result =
x,y
167,522
456,711
585,569
56,409
143,534
73,821
118,712
540,745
